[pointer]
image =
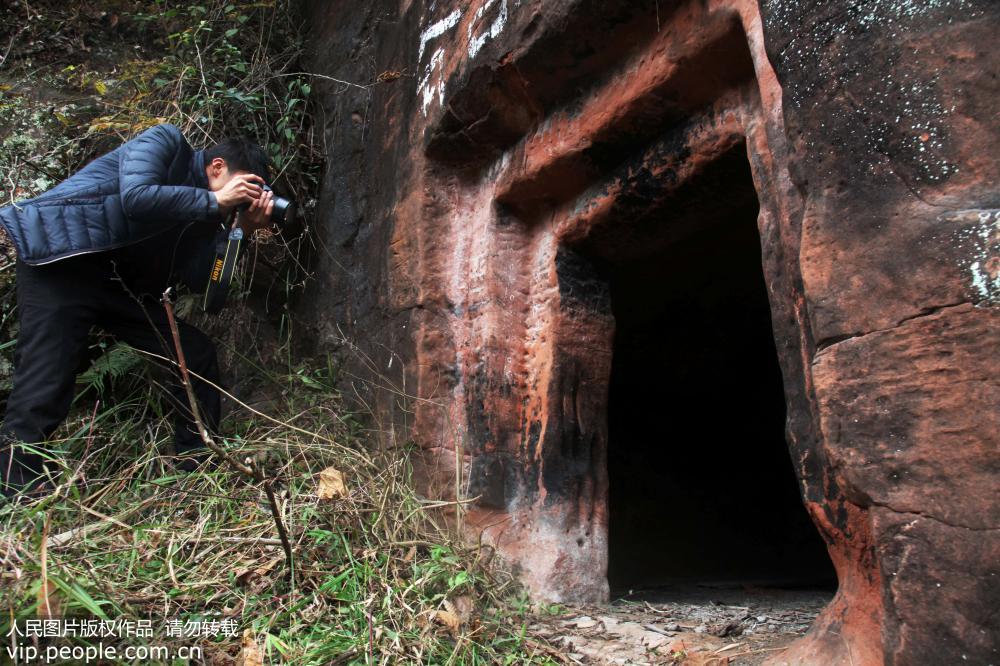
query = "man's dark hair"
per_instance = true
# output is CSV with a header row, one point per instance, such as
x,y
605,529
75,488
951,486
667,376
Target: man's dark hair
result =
x,y
241,154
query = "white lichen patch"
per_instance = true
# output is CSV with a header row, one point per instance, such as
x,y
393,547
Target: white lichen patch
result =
x,y
895,116
978,241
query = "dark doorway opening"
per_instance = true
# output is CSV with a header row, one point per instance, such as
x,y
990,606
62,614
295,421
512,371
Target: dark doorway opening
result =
x,y
702,487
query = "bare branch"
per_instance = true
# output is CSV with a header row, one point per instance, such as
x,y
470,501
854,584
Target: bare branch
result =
x,y
247,469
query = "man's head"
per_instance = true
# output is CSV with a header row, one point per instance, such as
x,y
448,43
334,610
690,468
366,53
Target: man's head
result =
x,y
233,156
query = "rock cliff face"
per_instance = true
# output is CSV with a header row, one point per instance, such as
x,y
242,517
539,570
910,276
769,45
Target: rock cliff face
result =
x,y
533,208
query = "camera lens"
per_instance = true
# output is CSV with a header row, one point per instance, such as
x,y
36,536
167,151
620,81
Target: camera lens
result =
x,y
284,209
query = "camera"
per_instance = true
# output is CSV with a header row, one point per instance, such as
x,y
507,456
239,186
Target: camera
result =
x,y
227,251
283,212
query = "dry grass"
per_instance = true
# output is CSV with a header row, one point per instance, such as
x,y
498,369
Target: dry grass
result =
x,y
377,577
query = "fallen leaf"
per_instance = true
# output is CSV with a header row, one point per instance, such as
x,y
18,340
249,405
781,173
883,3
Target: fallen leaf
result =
x,y
245,573
250,652
461,606
389,75
447,619
266,568
331,484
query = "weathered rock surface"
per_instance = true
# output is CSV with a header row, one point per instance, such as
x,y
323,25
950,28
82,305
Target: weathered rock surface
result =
x,y
493,153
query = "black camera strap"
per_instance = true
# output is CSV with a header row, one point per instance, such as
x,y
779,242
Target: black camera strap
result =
x,y
227,251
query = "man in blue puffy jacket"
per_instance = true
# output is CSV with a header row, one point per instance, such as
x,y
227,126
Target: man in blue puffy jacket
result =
x,y
99,249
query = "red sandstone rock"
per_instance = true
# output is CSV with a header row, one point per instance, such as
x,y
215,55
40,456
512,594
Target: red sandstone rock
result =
x,y
531,143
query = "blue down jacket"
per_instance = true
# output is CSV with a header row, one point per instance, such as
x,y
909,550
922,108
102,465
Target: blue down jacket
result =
x,y
140,189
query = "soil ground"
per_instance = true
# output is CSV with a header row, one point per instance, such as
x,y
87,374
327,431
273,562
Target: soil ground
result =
x,y
703,625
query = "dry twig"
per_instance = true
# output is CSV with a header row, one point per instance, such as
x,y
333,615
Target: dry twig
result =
x,y
250,470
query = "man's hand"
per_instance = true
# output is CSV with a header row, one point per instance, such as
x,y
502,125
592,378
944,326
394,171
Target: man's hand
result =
x,y
258,215
241,189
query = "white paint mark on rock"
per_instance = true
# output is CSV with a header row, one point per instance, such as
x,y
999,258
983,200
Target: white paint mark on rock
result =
x,y
476,43
427,90
432,82
435,30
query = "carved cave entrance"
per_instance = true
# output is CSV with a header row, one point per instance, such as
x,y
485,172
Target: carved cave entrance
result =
x,y
702,487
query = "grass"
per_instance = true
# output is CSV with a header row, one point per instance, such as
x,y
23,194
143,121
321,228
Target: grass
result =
x,y
377,576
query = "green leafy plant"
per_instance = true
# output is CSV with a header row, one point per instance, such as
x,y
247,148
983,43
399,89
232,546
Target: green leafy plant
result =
x,y
113,365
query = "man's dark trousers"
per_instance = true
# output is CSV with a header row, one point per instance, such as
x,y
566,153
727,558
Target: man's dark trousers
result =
x,y
57,305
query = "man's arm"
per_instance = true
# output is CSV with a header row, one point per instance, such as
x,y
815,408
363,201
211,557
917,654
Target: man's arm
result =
x,y
143,173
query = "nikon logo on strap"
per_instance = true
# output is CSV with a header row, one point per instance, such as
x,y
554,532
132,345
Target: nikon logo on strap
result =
x,y
217,269
226,253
